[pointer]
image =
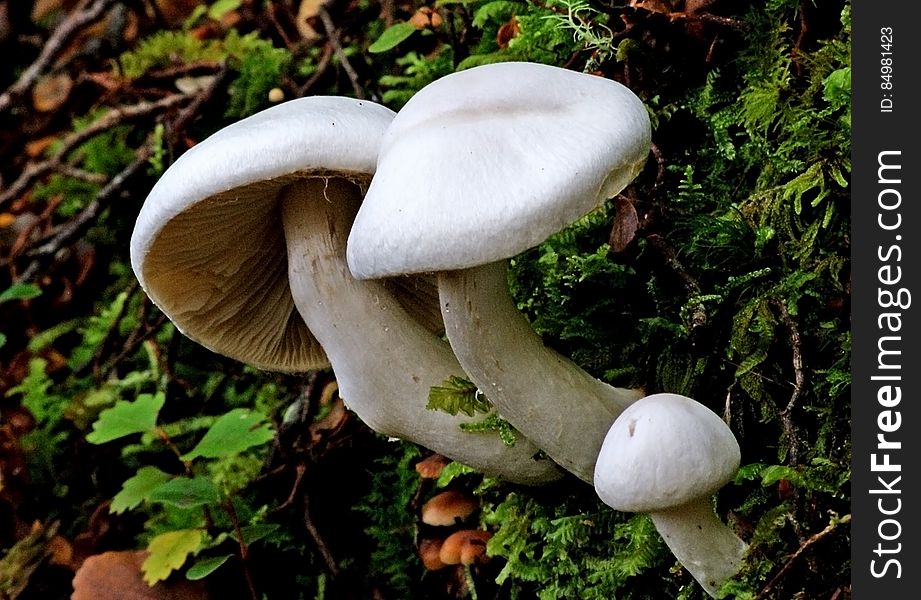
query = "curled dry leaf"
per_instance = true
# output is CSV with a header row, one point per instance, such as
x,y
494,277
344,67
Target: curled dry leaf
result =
x,y
51,92
625,226
306,11
117,576
194,85
509,31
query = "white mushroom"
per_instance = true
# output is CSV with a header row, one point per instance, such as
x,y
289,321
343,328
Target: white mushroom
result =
x,y
480,166
242,244
667,455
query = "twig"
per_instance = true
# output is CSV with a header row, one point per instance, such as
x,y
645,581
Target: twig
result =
x,y
660,165
699,314
82,175
325,59
244,550
799,379
318,539
114,117
333,37
191,111
76,226
69,231
813,539
710,18
113,330
84,13
184,69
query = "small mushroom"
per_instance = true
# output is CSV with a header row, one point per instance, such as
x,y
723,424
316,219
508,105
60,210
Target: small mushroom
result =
x,y
117,575
480,166
448,507
242,244
464,547
667,455
430,554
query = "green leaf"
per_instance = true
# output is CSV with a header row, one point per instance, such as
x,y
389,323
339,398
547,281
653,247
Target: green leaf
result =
x,y
138,489
456,395
221,8
184,492
496,12
254,533
392,36
205,567
231,434
126,418
168,551
837,85
493,423
450,472
774,473
20,291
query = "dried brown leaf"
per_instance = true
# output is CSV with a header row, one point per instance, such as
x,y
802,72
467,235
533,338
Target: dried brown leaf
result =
x,y
625,226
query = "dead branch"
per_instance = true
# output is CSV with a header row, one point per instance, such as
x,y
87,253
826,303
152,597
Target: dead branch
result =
x,y
114,117
84,13
699,314
333,35
74,228
811,541
799,379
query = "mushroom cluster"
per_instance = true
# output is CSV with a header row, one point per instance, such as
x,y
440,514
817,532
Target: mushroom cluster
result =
x,y
304,236
241,243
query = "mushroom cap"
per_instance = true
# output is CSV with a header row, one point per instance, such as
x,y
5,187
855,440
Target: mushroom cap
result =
x,y
663,451
448,507
485,163
464,547
430,554
208,246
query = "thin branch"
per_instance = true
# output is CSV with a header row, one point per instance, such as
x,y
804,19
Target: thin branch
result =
x,y
710,18
318,539
82,175
660,165
74,228
813,539
322,65
111,119
799,379
84,13
333,37
699,314
192,110
244,549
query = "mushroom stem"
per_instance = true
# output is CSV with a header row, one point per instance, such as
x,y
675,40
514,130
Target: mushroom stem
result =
x,y
704,545
385,361
553,402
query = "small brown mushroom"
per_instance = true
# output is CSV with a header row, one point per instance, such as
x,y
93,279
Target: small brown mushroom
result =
x,y
464,547
448,507
431,466
117,576
429,553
